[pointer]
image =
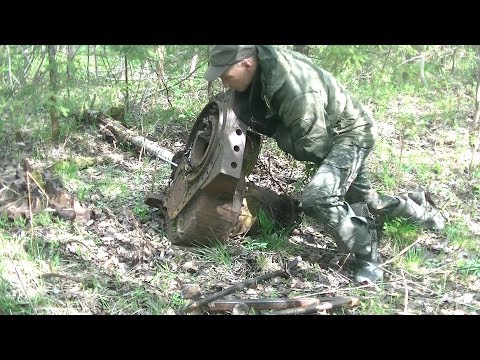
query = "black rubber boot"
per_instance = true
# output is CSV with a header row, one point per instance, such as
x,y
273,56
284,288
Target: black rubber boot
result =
x,y
368,270
414,207
358,235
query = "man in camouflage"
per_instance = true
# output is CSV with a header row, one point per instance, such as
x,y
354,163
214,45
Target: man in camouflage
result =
x,y
282,94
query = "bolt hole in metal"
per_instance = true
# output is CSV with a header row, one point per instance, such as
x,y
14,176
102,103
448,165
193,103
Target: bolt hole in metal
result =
x,y
236,148
234,165
239,132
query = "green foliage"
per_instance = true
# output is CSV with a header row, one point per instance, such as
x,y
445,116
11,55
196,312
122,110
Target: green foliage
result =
x,y
84,191
43,219
413,260
470,266
271,236
8,303
217,253
388,177
111,188
254,245
459,235
401,233
4,223
267,223
141,210
67,170
20,223
35,247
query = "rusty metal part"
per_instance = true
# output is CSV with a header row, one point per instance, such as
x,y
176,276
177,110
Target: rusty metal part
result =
x,y
261,304
204,200
22,196
324,304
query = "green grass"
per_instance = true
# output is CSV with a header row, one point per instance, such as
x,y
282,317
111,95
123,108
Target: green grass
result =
x,y
164,276
4,222
401,233
66,169
218,254
413,260
10,304
111,188
84,191
470,266
370,304
459,235
21,290
141,210
263,262
271,237
388,177
43,219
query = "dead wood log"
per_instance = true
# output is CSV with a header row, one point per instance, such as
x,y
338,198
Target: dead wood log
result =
x,y
120,133
197,304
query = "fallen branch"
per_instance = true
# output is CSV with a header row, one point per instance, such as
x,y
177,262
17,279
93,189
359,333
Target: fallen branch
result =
x,y
328,304
242,285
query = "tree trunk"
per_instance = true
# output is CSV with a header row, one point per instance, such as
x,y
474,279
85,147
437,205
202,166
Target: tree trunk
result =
x,y
95,61
422,51
125,59
27,63
10,81
453,60
52,65
88,73
476,116
70,56
161,63
209,86
476,124
193,65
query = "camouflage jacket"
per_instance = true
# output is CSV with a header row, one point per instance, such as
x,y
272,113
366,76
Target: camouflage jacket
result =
x,y
309,108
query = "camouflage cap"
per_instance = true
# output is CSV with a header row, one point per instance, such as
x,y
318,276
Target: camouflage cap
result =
x,y
223,56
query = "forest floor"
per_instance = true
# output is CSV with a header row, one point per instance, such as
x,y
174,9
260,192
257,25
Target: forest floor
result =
x,y
122,263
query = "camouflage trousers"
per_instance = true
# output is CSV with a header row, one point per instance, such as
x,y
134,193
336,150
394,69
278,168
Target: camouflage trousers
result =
x,y
342,180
